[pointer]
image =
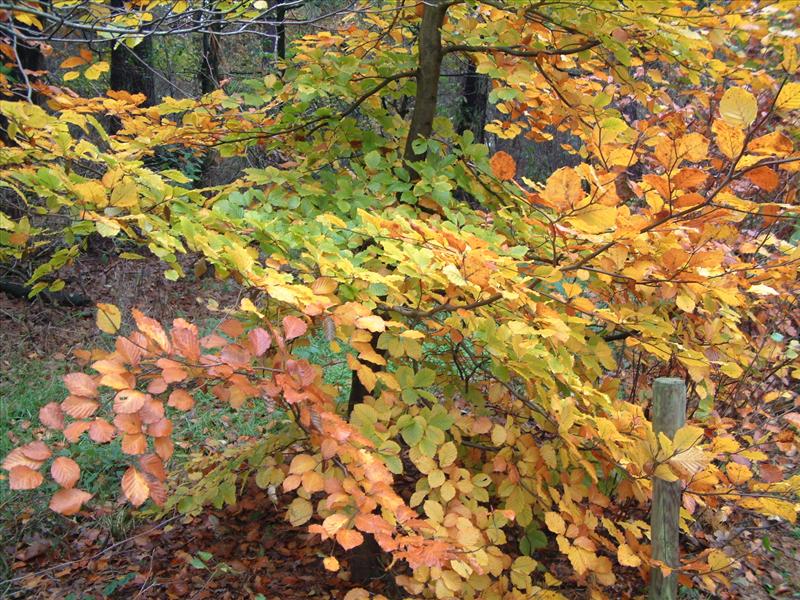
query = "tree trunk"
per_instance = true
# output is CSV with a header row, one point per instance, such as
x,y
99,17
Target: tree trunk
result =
x,y
472,108
131,69
274,46
428,75
210,57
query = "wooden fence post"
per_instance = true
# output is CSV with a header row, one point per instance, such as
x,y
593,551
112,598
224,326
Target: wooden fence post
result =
x,y
669,415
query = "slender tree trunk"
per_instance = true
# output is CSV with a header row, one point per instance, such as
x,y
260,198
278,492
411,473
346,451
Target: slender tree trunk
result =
x,y
274,46
131,70
428,75
210,57
472,108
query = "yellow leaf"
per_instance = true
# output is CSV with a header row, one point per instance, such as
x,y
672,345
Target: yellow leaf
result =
x,y
738,474
302,463
732,370
738,107
718,560
730,138
789,98
330,563
582,560
626,556
555,523
94,71
685,303
595,218
563,188
71,75
299,512
686,437
109,318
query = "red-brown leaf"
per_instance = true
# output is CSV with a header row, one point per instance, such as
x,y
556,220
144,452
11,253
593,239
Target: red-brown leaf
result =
x,y
160,428
153,465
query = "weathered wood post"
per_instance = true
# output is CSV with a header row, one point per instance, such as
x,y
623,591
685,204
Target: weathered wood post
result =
x,y
669,415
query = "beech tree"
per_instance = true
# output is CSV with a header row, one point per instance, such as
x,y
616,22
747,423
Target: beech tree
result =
x,y
502,349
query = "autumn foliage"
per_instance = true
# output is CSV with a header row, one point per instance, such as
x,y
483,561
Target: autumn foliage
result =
x,y
506,345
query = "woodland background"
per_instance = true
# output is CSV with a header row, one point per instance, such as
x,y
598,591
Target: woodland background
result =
x,y
264,188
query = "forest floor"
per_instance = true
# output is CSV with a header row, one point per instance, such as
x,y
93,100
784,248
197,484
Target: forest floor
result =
x,y
244,551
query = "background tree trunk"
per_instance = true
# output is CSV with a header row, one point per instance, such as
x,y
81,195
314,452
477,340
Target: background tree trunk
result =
x,y
473,104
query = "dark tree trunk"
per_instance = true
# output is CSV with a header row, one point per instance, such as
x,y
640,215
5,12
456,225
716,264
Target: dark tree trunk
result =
x,y
274,44
428,75
131,69
472,108
210,57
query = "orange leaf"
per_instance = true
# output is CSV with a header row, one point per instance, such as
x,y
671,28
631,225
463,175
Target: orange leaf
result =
x,y
80,384
161,428
135,487
153,465
181,399
152,329
764,177
79,407
260,340
37,450
65,472
293,327
68,502
129,401
101,431
51,415
134,443
503,166
164,447
73,431
24,478
17,458
128,423
349,538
